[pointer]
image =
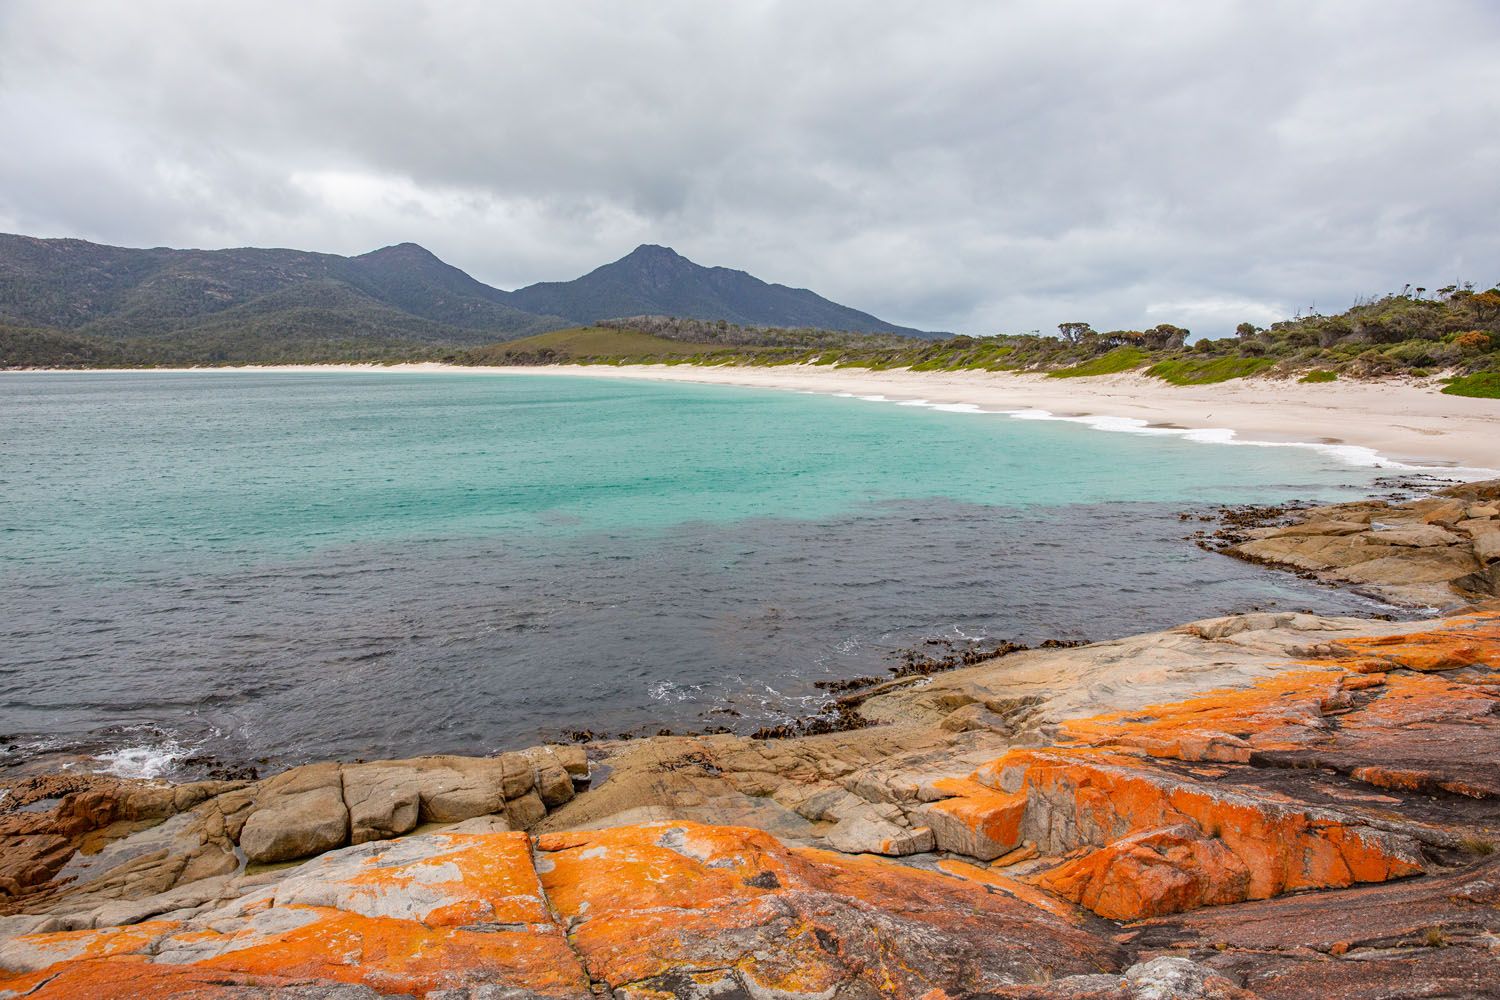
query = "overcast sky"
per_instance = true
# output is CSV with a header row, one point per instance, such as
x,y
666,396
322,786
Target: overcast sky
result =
x,y
982,167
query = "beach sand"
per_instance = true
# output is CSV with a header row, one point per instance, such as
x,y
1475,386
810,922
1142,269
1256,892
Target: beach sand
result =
x,y
1388,422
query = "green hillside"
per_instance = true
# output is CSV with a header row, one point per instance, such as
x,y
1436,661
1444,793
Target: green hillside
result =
x,y
34,347
587,343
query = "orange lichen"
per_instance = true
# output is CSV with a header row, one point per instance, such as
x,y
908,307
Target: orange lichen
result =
x,y
991,815
1469,640
1225,725
1010,886
645,901
1084,796
484,878
1153,873
1410,701
405,956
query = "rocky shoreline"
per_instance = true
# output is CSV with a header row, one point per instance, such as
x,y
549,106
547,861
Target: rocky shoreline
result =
x,y
1272,805
1438,551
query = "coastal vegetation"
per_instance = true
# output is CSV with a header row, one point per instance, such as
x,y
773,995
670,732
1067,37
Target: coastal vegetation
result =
x,y
585,343
1320,375
1455,331
1484,384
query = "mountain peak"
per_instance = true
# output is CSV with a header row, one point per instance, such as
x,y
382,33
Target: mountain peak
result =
x,y
655,280
400,251
654,250
656,257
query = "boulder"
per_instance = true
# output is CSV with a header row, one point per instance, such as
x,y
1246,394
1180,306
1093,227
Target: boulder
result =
x,y
1155,872
975,821
1418,536
458,788
549,776
525,812
1487,544
384,800
1309,552
1422,565
869,833
295,815
1439,510
572,757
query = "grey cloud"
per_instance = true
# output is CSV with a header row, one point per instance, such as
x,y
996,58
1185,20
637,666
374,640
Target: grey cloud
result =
x,y
970,165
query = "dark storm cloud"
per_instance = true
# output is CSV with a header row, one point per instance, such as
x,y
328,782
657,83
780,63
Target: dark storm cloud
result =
x,y
977,166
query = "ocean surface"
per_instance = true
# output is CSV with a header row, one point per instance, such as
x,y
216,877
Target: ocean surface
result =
x,y
272,568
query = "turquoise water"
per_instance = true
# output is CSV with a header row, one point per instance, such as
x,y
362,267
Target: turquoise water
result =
x,y
292,566
114,475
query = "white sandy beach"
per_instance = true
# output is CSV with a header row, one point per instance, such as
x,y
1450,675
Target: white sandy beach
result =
x,y
1398,422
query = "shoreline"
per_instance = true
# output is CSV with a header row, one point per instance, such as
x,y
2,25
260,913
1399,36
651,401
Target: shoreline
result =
x,y
1399,425
1287,763
1238,786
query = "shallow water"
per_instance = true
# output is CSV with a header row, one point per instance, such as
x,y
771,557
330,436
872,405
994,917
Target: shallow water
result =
x,y
285,567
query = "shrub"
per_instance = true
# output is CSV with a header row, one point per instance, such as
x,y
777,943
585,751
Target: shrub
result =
x,y
1415,352
1473,342
1485,385
1320,375
1121,359
1185,372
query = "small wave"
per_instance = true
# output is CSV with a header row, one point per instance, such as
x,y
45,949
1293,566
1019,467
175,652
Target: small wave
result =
x,y
146,761
671,691
1352,454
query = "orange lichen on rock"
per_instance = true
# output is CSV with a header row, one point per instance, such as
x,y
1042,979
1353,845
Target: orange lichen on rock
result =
x,y
475,878
1153,873
649,902
1278,712
1469,640
134,978
1010,886
975,820
1229,844
407,956
405,916
1423,700
27,962
643,909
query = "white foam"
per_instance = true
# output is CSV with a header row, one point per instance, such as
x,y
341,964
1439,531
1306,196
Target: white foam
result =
x,y
1351,454
671,691
147,761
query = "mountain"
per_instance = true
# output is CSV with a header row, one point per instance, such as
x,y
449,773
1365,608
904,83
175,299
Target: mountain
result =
x,y
400,292
658,281
79,300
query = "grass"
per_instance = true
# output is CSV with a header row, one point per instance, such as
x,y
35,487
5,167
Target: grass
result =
x,y
1121,359
1320,375
1477,845
1483,384
1188,372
